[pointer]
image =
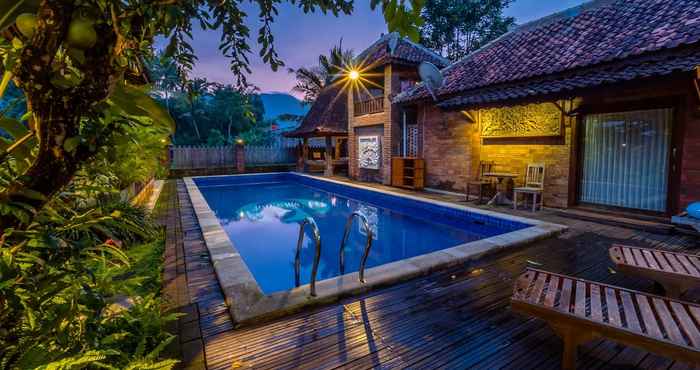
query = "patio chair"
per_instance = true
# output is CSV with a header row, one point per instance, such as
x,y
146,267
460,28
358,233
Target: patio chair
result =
x,y
580,311
534,185
675,272
481,182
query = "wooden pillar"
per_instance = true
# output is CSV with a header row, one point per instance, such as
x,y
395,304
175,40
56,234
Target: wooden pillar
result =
x,y
338,142
329,157
304,154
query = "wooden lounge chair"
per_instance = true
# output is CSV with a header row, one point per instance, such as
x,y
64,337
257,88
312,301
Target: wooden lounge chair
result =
x,y
481,182
676,272
579,311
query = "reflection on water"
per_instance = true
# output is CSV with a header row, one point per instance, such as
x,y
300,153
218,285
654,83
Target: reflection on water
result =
x,y
286,210
262,221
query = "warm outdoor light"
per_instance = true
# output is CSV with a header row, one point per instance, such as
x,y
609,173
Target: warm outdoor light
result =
x,y
354,75
239,141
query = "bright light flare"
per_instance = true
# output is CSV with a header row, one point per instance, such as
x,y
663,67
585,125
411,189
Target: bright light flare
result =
x,y
354,74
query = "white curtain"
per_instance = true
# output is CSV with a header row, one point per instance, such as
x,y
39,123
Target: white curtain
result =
x,y
626,159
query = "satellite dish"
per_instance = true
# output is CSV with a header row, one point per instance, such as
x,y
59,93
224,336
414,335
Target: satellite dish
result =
x,y
431,77
393,43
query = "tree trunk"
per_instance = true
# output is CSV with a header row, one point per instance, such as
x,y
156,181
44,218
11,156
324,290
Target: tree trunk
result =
x,y
194,125
228,129
56,111
53,167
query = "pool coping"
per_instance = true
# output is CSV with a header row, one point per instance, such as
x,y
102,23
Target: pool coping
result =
x,y
247,303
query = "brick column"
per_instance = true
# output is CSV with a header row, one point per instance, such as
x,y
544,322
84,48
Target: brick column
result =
x,y
239,156
353,170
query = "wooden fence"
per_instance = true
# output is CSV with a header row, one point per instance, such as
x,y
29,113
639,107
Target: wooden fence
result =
x,y
190,157
281,151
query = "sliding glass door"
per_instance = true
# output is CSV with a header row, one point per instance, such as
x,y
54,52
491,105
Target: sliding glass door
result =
x,y
626,159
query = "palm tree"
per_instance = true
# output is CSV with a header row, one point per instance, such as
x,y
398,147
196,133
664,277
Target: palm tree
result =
x,y
311,80
234,109
195,90
165,76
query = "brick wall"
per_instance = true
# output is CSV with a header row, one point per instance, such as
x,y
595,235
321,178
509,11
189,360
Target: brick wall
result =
x,y
553,152
388,121
450,145
452,149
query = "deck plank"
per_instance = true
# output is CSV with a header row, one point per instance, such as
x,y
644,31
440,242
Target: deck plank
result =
x,y
449,319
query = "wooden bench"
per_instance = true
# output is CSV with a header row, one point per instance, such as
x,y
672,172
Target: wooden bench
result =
x,y
579,311
676,272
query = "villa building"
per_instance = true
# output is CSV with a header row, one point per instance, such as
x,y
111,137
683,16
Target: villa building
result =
x,y
606,95
389,67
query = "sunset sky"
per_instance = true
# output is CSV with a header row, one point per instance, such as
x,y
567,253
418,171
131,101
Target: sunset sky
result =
x,y
300,38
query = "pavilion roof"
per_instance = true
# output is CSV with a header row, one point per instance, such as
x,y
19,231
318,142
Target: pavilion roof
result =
x,y
328,115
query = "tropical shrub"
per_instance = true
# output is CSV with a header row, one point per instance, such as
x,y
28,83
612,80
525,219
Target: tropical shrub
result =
x,y
80,287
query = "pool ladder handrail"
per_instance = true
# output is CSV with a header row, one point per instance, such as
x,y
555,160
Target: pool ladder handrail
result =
x,y
368,243
317,256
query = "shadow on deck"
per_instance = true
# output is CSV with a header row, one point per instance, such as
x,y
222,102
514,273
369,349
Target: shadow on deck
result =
x,y
457,318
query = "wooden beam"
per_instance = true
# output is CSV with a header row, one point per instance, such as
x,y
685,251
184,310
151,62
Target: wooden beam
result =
x,y
696,83
560,106
468,115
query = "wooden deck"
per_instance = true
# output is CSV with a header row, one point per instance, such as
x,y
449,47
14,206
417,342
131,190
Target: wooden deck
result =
x,y
458,318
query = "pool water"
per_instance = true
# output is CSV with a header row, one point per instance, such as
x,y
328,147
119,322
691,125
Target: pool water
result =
x,y
262,221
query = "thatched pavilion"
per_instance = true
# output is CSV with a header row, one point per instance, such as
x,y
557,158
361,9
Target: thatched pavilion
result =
x,y
328,118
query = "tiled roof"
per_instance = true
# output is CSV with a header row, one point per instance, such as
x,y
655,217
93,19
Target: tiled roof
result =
x,y
327,116
394,48
594,34
657,64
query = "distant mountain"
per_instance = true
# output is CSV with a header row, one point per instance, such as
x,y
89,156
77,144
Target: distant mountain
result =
x,y
277,104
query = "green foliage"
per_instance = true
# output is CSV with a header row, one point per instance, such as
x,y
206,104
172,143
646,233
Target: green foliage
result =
x,y
9,10
402,16
136,156
79,287
258,135
215,138
456,27
208,113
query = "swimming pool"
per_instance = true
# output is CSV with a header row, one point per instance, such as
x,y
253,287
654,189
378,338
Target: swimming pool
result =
x,y
261,216
253,222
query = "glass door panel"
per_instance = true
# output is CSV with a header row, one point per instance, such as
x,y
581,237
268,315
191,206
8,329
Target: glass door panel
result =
x,y
626,159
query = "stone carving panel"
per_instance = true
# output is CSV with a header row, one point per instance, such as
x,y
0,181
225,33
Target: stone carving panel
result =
x,y
369,152
532,120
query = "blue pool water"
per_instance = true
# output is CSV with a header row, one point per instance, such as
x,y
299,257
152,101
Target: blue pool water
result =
x,y
261,215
